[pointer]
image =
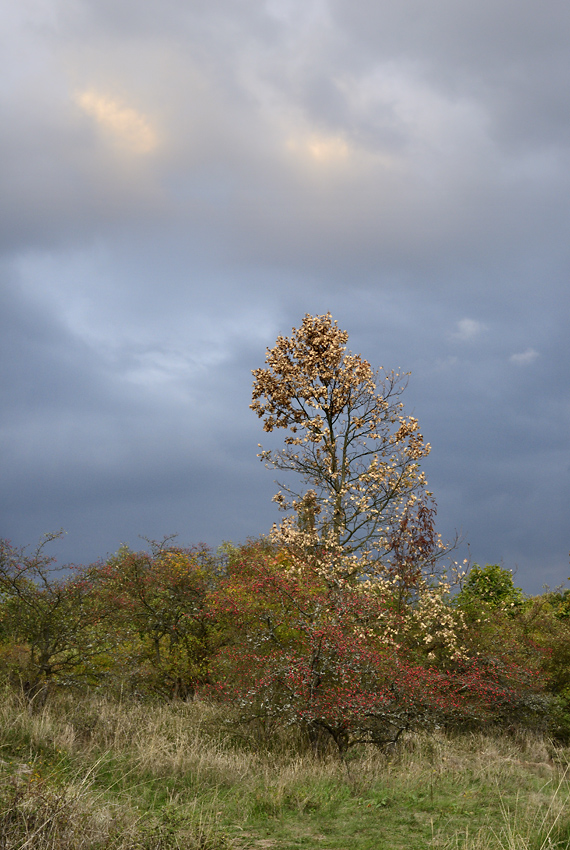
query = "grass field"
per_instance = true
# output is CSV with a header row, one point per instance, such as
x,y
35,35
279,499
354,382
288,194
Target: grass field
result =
x,y
88,772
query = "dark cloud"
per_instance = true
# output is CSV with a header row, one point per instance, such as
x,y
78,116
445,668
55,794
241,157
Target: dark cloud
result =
x,y
182,182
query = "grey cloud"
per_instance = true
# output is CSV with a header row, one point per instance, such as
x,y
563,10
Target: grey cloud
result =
x,y
77,430
463,43
227,174
404,167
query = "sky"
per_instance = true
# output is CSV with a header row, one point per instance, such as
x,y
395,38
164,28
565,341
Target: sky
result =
x,y
181,182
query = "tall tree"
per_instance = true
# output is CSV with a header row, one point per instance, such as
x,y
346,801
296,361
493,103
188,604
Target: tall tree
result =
x,y
350,442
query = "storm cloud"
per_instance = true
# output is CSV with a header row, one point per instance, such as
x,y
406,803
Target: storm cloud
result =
x,y
183,182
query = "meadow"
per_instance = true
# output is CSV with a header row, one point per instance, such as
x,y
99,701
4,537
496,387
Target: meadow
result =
x,y
93,772
339,683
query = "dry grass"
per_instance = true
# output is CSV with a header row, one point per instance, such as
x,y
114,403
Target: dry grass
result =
x,y
59,792
93,773
536,822
42,815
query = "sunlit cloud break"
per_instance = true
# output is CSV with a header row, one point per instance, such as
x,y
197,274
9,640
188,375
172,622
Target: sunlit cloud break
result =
x,y
524,358
129,128
321,148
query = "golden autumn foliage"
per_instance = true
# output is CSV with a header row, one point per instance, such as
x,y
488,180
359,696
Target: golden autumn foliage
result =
x,y
358,455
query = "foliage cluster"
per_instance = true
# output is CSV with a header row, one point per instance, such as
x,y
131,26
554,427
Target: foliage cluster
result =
x,y
346,662
341,623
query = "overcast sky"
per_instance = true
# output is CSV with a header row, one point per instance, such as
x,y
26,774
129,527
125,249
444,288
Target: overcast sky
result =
x,y
181,181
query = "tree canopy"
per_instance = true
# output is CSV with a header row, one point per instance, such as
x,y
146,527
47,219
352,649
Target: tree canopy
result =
x,y
357,454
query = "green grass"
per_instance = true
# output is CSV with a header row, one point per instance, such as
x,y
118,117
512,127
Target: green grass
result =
x,y
99,774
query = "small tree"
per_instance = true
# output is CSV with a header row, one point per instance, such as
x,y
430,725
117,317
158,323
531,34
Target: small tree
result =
x,y
50,616
350,442
491,586
160,606
334,660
